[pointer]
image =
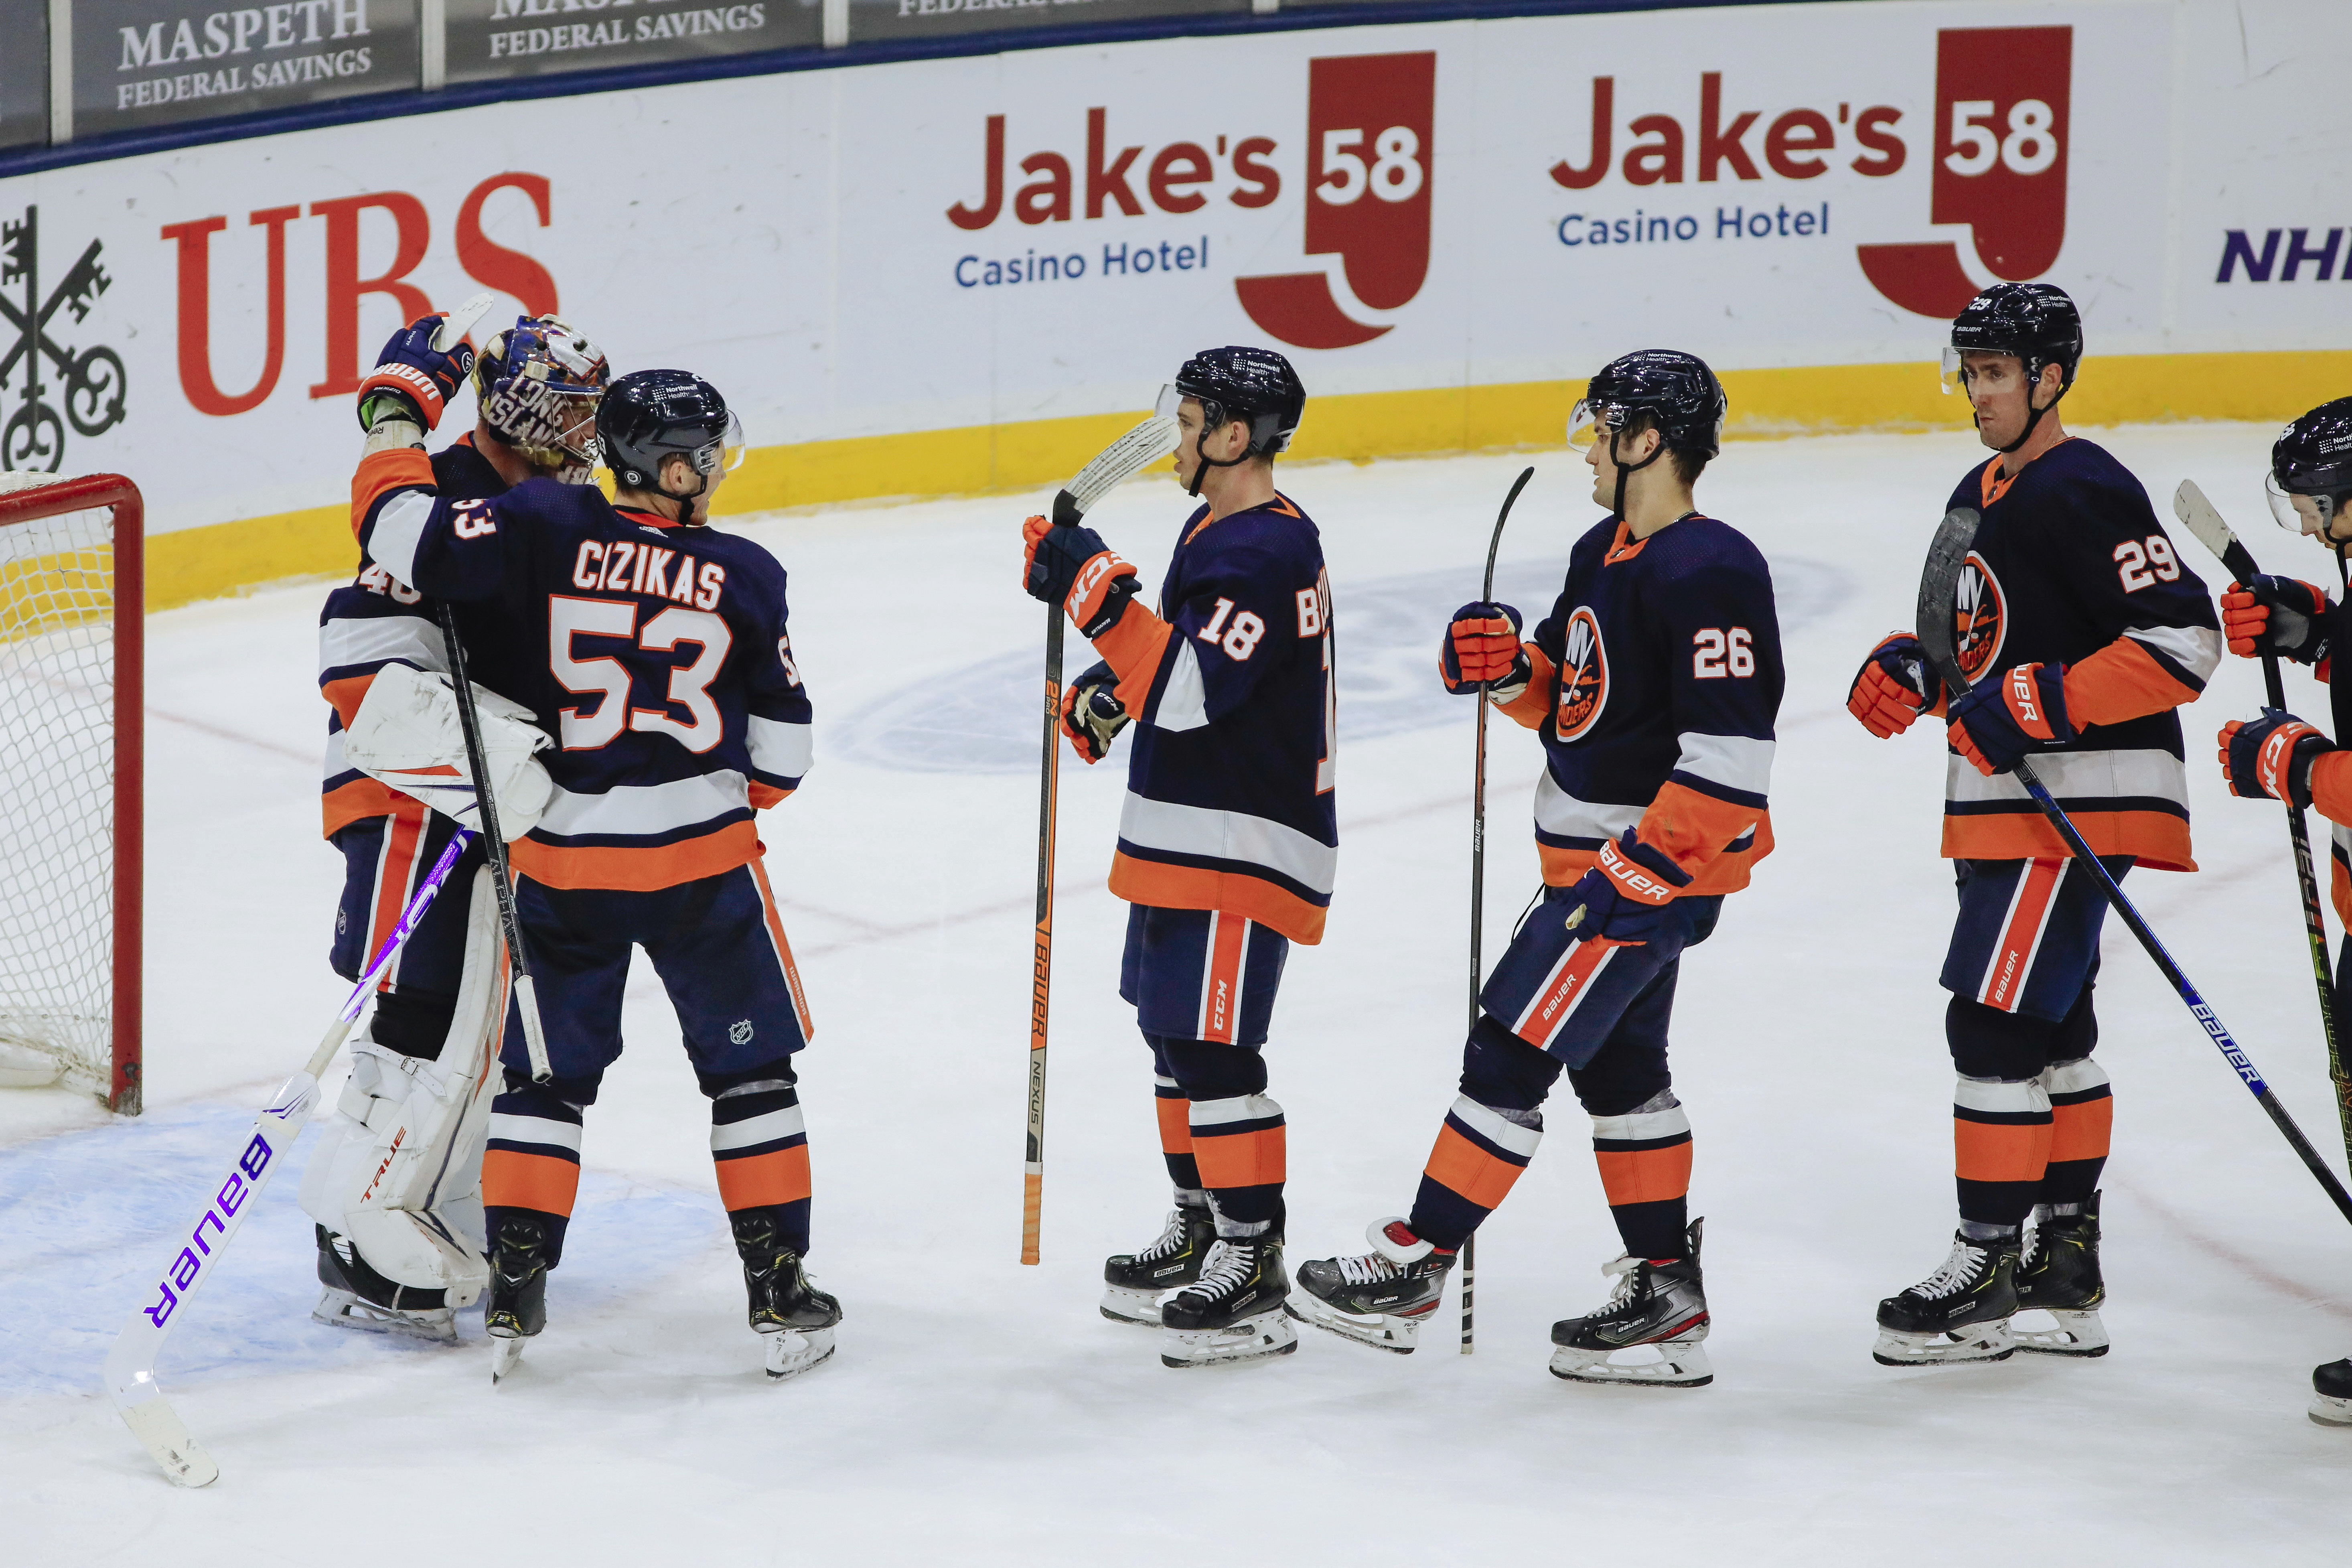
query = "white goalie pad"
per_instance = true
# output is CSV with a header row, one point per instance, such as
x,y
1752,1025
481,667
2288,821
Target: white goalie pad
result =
x,y
407,733
398,1168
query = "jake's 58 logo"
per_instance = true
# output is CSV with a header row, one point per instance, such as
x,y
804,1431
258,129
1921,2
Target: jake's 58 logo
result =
x,y
1369,137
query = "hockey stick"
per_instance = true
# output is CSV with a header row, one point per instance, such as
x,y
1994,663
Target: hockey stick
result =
x,y
1478,882
1937,599
1122,459
131,1365
2198,515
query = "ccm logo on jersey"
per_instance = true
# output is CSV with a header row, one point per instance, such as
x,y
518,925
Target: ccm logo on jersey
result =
x,y
1630,879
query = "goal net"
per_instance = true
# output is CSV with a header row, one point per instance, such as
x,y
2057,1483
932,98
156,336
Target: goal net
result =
x,y
70,553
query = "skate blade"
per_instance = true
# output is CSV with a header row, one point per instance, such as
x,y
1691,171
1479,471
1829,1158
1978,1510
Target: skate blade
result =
x,y
2076,1333
342,1309
1681,1364
1984,1341
791,1351
1252,1339
2326,1410
1382,1331
1124,1304
505,1356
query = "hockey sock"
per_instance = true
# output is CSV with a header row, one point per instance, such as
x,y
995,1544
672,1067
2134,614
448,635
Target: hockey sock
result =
x,y
1479,1153
1241,1146
1176,1132
2001,1145
2082,1116
1644,1157
760,1149
533,1159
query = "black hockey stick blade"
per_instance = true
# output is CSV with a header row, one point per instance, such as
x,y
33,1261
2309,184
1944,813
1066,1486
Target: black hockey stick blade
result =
x,y
2199,516
1939,586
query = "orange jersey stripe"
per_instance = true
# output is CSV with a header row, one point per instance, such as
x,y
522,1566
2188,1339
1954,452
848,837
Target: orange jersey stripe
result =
x,y
1644,1175
784,950
1727,873
1221,995
358,800
1175,1125
1133,648
2121,681
2158,839
1999,1150
2331,785
766,796
511,1179
2082,1131
378,472
637,871
346,695
1461,1166
1191,887
1693,829
1241,1159
760,1180
402,837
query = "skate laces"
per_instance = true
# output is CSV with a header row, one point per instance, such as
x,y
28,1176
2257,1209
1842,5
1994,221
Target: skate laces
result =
x,y
1959,1273
1170,1241
1367,1268
1227,1268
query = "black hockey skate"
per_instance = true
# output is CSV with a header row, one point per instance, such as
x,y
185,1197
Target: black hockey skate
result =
x,y
1233,1311
1958,1313
2331,1393
1133,1282
1655,1304
2059,1276
354,1296
518,1308
795,1319
1379,1297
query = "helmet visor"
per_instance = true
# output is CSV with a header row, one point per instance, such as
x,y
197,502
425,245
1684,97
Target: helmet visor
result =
x,y
1955,378
725,454
1170,400
2300,513
1590,422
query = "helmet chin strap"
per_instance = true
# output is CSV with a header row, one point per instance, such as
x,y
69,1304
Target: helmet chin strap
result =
x,y
2032,415
1201,469
1624,469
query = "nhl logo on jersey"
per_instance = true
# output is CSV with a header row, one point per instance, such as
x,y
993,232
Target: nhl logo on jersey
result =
x,y
740,1031
1583,676
1978,621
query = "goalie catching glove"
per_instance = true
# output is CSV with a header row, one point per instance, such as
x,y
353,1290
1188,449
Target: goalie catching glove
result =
x,y
2272,755
407,733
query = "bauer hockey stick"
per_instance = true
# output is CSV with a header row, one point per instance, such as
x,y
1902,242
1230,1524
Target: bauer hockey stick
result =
x,y
1478,882
1937,599
2198,515
131,1365
1121,460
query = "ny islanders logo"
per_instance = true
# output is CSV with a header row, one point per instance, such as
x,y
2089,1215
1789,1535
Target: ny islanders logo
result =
x,y
1979,617
2002,131
1583,676
1369,120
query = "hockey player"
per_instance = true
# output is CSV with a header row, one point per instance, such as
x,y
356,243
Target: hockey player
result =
x,y
394,1184
2081,630
1228,840
655,649
2279,755
1653,685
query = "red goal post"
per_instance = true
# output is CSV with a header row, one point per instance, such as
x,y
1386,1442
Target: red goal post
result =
x,y
72,600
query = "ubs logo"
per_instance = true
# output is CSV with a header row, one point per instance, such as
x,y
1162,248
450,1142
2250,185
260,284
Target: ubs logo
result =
x,y
1583,676
1369,120
2002,131
1979,617
34,439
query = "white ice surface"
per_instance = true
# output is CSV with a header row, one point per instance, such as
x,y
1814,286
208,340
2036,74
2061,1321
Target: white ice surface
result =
x,y
982,1413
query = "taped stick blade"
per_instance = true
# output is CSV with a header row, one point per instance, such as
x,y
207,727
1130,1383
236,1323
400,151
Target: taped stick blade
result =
x,y
2201,517
462,320
1939,582
1115,464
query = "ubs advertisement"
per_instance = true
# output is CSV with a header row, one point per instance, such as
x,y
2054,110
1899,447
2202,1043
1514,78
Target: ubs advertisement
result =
x,y
956,243
151,62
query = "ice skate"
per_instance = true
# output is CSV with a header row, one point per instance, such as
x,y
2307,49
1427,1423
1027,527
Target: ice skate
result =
x,y
2059,1276
1662,1306
517,1306
1379,1297
1133,1282
1233,1311
794,1319
353,1296
1960,1314
2331,1393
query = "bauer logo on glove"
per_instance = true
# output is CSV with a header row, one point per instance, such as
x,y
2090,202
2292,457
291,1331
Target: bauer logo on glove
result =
x,y
2022,709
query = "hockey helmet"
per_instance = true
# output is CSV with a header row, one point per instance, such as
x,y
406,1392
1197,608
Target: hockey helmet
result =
x,y
651,414
2310,480
1675,390
2035,321
537,384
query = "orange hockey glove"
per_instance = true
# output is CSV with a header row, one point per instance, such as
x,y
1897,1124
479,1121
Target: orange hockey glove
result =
x,y
1893,685
2278,615
1073,565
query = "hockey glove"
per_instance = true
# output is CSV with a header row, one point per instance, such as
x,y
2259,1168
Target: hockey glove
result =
x,y
411,369
2021,710
2271,755
1623,899
1481,651
1074,566
1092,716
2276,615
1893,685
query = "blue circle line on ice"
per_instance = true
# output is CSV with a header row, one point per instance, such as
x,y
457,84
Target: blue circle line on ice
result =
x,y
983,719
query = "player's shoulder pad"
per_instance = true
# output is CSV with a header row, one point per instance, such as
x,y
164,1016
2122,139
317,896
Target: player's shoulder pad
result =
x,y
748,562
460,472
2093,480
1703,546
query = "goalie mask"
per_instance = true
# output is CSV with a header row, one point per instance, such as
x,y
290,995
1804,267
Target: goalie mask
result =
x,y
538,385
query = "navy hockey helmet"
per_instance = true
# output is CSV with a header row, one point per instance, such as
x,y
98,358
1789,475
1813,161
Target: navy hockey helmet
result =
x,y
2310,480
1672,391
2037,322
1256,385
537,384
651,414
